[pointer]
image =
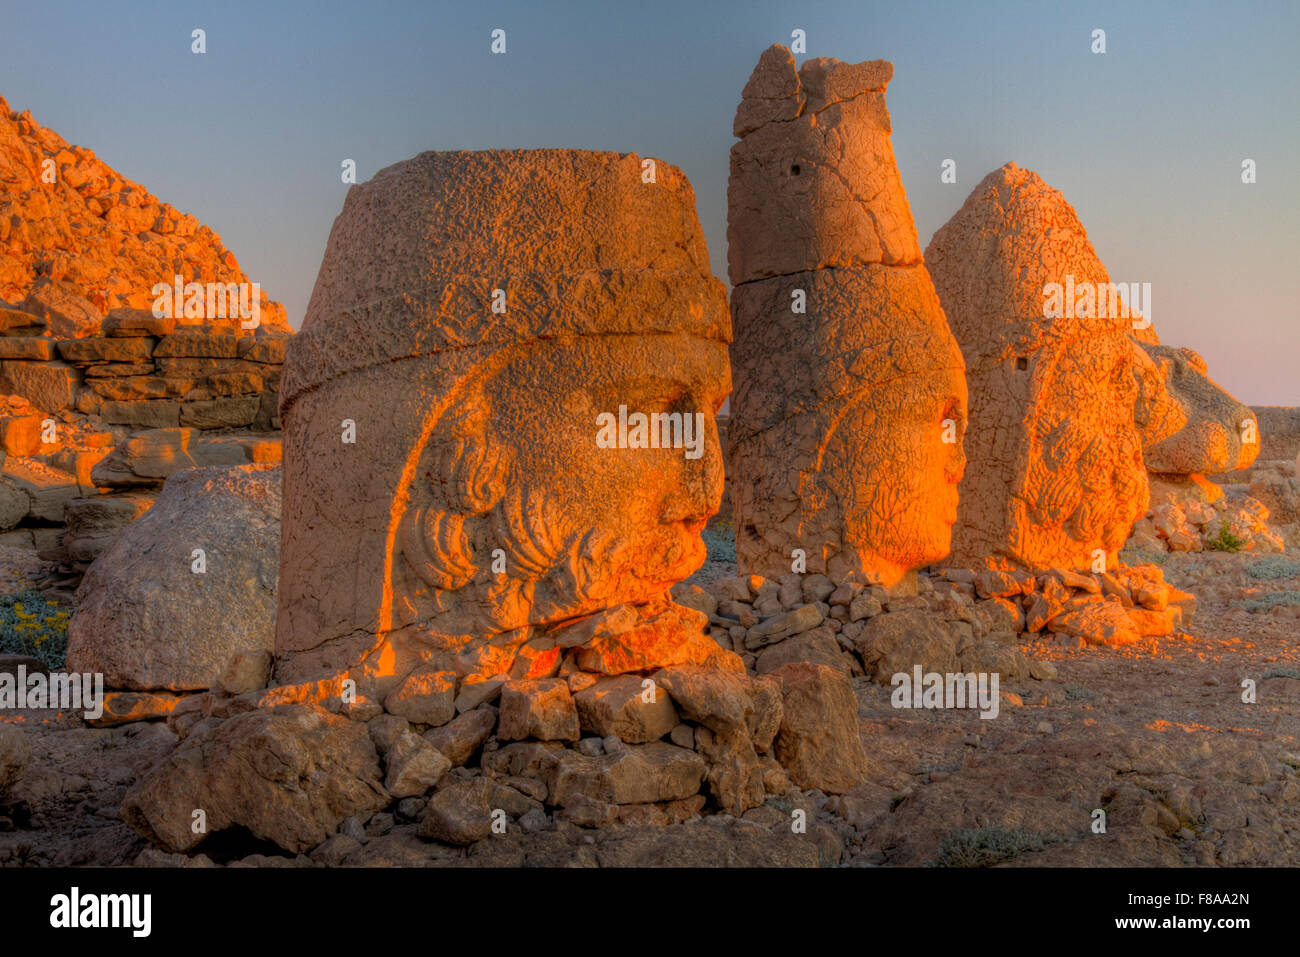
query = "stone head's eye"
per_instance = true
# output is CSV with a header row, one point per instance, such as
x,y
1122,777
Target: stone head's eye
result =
x,y
1022,363
794,170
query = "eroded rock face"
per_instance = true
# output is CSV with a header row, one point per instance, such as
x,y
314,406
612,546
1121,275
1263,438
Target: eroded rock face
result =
x,y
1055,458
148,620
846,375
475,412
91,240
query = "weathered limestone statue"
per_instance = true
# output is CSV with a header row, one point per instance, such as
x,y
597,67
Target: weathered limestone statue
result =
x,y
1055,474
844,444
448,499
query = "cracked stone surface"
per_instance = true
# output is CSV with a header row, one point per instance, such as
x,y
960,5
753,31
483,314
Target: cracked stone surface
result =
x,y
475,507
1055,457
836,441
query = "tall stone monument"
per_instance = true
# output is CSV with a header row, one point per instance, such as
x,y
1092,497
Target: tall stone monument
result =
x,y
845,437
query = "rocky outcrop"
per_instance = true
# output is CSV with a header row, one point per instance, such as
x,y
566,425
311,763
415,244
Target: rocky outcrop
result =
x,y
183,594
90,347
1279,432
81,240
1055,474
845,435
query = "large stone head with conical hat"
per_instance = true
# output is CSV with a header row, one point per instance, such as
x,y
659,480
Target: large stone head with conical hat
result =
x,y
475,316
1056,473
844,443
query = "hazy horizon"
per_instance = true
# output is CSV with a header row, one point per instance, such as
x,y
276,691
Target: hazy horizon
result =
x,y
1145,141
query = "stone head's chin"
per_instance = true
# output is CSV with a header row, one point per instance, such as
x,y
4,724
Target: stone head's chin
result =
x,y
624,571
657,562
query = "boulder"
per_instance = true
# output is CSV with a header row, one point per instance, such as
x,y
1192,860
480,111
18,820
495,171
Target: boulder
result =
x,y
636,774
665,635
1098,623
540,708
67,313
148,619
49,386
818,646
93,522
290,775
425,696
622,707
818,743
895,642
14,504
48,489
460,813
463,735
725,702
414,766
15,322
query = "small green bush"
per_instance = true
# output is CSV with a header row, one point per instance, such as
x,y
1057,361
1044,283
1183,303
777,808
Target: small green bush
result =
x,y
30,625
986,846
1225,540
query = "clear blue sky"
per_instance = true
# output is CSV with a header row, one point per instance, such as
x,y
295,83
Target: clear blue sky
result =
x,y
1146,140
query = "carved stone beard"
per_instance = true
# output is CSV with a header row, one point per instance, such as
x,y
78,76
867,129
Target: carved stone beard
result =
x,y
553,569
1078,482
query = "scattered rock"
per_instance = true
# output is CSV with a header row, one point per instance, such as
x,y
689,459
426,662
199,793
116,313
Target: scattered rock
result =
x,y
289,776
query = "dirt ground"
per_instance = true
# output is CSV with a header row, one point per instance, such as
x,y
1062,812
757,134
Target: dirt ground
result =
x,y
1157,736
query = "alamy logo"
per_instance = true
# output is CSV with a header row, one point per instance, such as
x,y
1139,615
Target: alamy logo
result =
x,y
935,690
211,300
657,430
71,691
74,909
1098,300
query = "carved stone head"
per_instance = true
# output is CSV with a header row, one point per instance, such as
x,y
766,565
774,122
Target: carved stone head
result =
x,y
845,438
475,316
1055,470
1189,425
